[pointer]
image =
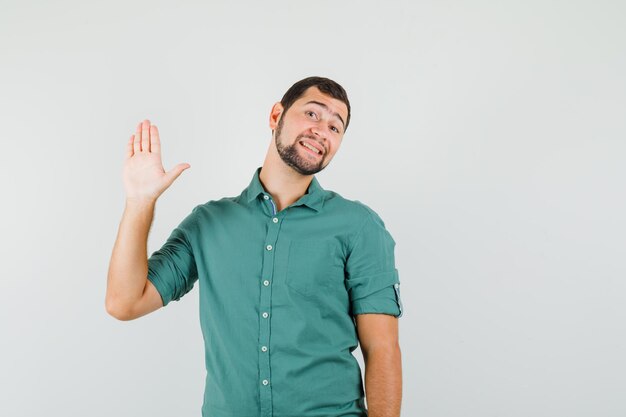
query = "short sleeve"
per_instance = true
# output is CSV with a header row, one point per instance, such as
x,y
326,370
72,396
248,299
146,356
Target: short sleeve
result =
x,y
172,268
372,279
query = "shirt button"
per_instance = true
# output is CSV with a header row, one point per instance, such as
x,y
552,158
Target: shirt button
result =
x,y
264,348
265,197
265,382
269,247
275,219
265,315
266,283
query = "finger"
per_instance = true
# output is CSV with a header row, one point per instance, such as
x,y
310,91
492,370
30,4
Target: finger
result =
x,y
155,140
145,136
129,146
137,139
172,174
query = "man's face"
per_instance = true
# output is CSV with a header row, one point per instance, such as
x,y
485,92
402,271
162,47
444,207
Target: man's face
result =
x,y
315,120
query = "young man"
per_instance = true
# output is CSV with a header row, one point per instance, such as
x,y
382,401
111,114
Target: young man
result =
x,y
291,276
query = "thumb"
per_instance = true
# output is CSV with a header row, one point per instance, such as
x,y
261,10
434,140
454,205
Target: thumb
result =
x,y
173,173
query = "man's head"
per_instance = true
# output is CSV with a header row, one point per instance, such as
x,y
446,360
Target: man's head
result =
x,y
314,112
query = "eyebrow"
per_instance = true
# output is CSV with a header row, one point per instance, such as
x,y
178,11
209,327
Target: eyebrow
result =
x,y
326,107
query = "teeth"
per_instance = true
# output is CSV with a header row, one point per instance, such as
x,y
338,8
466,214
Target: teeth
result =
x,y
310,147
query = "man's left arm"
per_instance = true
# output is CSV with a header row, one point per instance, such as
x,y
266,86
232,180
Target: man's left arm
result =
x,y
378,337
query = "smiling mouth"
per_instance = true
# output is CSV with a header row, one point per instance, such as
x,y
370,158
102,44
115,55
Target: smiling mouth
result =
x,y
310,149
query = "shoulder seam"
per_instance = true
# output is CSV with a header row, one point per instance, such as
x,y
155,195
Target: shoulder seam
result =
x,y
361,228
182,229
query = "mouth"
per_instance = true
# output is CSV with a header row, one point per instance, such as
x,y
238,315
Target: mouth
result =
x,y
313,150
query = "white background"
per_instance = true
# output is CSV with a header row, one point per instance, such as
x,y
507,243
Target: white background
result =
x,y
489,136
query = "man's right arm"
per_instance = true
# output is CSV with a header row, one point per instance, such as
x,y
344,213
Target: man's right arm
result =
x,y
129,293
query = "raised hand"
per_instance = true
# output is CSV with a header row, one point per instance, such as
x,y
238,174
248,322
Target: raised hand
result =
x,y
144,176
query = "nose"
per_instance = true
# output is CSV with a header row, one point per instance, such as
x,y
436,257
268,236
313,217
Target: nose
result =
x,y
320,132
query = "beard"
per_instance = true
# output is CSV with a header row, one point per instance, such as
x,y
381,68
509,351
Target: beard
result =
x,y
291,156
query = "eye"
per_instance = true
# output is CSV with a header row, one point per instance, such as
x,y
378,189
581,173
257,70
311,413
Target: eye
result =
x,y
309,112
336,130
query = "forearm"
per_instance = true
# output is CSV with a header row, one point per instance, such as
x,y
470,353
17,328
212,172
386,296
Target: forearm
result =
x,y
128,268
383,381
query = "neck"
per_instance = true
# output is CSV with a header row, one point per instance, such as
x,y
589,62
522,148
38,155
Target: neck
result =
x,y
284,184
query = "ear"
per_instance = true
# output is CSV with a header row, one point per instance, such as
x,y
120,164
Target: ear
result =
x,y
277,110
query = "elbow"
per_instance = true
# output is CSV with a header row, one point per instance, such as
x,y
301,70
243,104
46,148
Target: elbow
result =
x,y
116,311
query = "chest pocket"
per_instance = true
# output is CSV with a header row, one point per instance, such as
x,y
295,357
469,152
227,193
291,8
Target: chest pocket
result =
x,y
313,266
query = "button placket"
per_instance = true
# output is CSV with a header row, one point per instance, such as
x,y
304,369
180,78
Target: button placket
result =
x,y
265,306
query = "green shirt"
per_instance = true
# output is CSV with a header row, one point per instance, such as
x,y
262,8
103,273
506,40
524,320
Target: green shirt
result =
x,y
278,295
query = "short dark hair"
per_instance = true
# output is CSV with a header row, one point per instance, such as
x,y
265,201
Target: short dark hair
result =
x,y
325,85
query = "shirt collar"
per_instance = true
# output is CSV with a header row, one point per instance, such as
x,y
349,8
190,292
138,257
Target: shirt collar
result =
x,y
314,197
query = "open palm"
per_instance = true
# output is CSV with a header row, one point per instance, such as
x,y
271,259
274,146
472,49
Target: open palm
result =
x,y
144,176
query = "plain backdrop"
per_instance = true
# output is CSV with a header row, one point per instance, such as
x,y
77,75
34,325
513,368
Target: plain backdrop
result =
x,y
489,136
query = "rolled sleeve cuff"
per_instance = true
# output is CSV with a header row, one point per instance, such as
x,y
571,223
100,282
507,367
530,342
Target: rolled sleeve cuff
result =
x,y
161,285
385,301
364,286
